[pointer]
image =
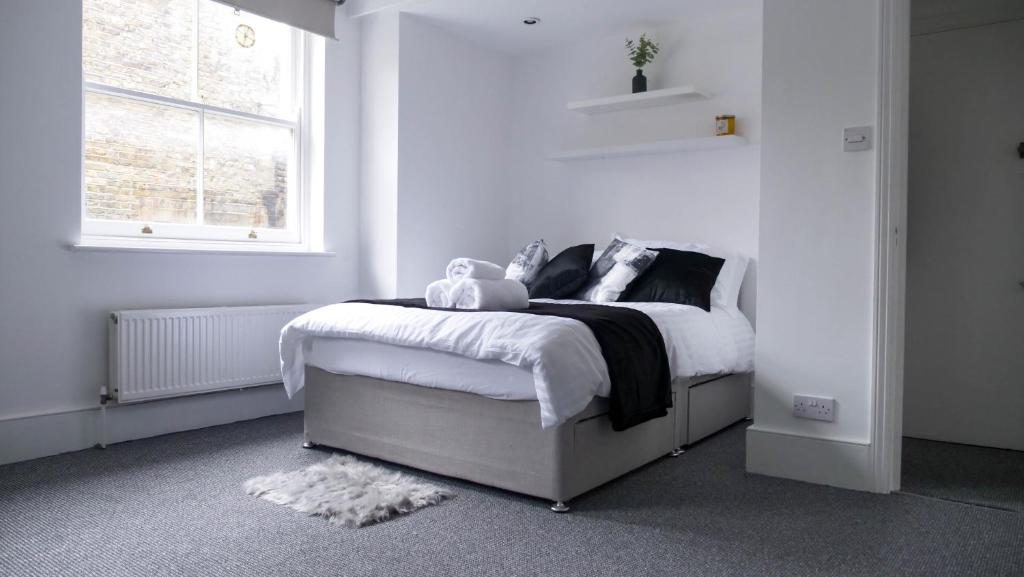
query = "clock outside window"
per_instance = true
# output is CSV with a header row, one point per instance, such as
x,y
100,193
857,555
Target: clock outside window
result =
x,y
245,36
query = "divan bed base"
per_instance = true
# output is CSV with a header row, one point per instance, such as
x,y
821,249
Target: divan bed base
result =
x,y
501,443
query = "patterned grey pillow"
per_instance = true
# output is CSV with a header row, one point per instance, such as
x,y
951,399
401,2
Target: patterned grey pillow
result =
x,y
528,262
620,264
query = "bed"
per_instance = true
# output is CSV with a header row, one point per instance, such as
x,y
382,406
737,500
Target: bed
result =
x,y
523,408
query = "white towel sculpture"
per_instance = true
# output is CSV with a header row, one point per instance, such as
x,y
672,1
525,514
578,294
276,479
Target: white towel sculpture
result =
x,y
461,268
437,294
476,284
492,295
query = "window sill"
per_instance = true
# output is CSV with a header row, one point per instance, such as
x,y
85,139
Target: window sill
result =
x,y
109,244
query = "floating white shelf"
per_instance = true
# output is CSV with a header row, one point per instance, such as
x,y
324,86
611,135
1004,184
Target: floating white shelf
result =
x,y
662,97
658,147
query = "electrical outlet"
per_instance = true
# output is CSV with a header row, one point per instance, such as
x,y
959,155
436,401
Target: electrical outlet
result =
x,y
817,408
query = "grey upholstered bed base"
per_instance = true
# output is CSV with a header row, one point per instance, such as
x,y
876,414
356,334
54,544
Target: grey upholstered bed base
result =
x,y
501,443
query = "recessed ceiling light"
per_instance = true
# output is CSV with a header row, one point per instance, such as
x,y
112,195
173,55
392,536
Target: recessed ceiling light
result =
x,y
531,20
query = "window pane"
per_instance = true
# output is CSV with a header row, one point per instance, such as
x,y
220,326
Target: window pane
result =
x,y
245,175
140,160
143,45
256,78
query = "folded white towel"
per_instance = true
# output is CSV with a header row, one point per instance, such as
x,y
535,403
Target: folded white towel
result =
x,y
461,268
505,294
437,294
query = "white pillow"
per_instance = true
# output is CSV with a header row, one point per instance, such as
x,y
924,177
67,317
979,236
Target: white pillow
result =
x,y
618,266
528,261
726,293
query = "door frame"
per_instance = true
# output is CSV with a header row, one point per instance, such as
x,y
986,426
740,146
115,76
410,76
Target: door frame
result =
x,y
890,243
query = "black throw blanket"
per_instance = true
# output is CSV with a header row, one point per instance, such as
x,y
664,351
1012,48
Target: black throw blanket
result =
x,y
633,349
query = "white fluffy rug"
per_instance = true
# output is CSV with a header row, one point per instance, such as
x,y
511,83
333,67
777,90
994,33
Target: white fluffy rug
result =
x,y
347,491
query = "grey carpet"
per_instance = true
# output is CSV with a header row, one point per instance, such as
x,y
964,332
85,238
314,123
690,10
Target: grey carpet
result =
x,y
964,473
173,505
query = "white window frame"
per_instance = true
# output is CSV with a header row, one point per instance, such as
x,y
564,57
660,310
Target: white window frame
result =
x,y
300,232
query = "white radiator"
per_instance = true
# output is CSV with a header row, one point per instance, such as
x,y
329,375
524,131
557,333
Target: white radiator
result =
x,y
156,354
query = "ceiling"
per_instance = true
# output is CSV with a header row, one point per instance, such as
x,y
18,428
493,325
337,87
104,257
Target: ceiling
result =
x,y
499,23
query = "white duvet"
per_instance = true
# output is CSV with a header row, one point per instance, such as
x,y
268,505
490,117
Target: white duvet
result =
x,y
562,354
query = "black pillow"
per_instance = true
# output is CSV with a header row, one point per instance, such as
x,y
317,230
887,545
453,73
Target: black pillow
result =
x,y
677,276
563,275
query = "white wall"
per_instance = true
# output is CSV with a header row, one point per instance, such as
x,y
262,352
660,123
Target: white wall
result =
x,y
453,153
709,196
378,192
817,235
54,302
965,247
435,146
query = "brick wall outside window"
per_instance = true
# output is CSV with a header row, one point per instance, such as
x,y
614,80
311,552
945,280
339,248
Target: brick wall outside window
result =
x,y
141,159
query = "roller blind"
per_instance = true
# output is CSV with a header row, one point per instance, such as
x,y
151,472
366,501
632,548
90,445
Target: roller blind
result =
x,y
316,16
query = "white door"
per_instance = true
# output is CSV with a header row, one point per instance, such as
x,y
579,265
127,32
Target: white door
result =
x,y
964,379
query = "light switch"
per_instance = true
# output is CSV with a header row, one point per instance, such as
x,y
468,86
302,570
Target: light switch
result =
x,y
856,138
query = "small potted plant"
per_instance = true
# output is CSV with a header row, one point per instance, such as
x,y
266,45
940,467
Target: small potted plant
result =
x,y
641,53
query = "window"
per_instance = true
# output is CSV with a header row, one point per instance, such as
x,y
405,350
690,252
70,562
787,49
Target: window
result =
x,y
193,123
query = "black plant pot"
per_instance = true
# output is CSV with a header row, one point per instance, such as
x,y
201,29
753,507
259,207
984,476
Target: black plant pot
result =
x,y
639,82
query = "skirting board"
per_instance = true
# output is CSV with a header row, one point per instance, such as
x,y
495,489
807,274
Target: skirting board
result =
x,y
34,436
841,464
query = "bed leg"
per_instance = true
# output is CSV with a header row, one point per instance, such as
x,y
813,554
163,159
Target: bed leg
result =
x,y
560,507
677,451
308,445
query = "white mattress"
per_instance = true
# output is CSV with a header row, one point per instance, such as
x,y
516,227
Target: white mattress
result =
x,y
697,343
425,367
